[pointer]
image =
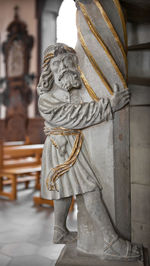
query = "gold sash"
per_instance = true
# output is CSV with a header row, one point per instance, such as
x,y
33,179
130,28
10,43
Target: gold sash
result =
x,y
56,172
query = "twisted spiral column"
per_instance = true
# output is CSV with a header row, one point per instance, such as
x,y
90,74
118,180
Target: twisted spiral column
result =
x,y
102,51
103,41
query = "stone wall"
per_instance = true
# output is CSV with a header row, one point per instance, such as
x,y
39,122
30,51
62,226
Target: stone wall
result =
x,y
139,83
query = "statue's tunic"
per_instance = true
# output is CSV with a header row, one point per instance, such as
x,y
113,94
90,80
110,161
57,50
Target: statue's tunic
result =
x,y
61,109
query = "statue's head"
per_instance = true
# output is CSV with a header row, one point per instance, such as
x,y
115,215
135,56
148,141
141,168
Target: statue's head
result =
x,y
60,65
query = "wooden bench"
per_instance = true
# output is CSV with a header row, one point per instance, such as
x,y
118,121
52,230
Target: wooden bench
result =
x,y
18,162
17,143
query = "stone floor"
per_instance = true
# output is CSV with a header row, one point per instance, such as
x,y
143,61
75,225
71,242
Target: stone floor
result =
x,y
26,232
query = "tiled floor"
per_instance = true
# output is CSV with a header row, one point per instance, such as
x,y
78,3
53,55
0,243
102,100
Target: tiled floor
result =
x,y
26,232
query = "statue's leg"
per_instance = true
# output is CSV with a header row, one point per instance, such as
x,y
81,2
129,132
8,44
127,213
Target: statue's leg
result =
x,y
114,247
97,210
61,233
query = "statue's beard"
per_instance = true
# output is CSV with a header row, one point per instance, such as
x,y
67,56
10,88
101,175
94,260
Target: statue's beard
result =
x,y
69,79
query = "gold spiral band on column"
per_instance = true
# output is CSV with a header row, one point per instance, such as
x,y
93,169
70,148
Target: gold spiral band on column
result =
x,y
93,62
99,39
117,4
113,31
88,87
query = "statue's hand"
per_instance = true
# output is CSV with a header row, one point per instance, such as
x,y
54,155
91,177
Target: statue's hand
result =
x,y
62,150
119,99
61,142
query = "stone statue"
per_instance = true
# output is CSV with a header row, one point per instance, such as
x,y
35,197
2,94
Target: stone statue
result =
x,y
66,167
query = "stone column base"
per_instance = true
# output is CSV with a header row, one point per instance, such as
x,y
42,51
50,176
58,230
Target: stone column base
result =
x,y
70,256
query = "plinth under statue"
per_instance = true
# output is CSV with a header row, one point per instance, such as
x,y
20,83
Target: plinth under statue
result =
x,y
67,169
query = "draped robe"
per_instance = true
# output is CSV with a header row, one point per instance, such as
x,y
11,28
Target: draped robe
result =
x,y
60,108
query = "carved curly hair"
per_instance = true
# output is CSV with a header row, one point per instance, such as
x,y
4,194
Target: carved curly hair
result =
x,y
46,79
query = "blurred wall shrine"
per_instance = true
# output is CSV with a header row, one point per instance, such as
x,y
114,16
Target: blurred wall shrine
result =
x,y
19,119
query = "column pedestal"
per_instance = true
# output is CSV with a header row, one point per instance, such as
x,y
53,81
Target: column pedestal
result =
x,y
70,256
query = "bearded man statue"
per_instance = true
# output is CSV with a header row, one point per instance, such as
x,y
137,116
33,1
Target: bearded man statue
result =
x,y
66,167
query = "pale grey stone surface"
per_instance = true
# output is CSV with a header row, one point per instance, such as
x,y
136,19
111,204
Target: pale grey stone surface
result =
x,y
33,228
140,95
140,203
31,261
141,233
51,252
140,152
140,163
141,214
49,17
101,134
140,132
18,249
140,124
10,236
90,236
103,154
71,257
122,173
4,260
138,33
138,63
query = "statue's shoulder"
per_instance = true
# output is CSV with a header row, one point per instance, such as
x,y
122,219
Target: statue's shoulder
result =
x,y
48,99
47,95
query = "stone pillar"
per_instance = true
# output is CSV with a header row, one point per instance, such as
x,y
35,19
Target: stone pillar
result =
x,y
48,23
102,51
48,32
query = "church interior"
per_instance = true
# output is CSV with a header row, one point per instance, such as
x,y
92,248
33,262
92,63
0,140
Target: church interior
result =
x,y
27,27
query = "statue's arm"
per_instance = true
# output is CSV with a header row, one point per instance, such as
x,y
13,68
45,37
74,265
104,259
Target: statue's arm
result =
x,y
75,116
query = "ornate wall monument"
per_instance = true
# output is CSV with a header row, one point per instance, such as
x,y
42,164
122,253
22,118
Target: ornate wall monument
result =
x,y
17,94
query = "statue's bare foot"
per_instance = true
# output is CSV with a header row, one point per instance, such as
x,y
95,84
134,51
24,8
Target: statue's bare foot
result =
x,y
123,250
63,236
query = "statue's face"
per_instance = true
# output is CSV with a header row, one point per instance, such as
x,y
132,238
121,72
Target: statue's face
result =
x,y
64,69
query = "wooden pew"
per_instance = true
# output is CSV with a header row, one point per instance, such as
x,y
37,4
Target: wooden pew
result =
x,y
18,162
17,143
